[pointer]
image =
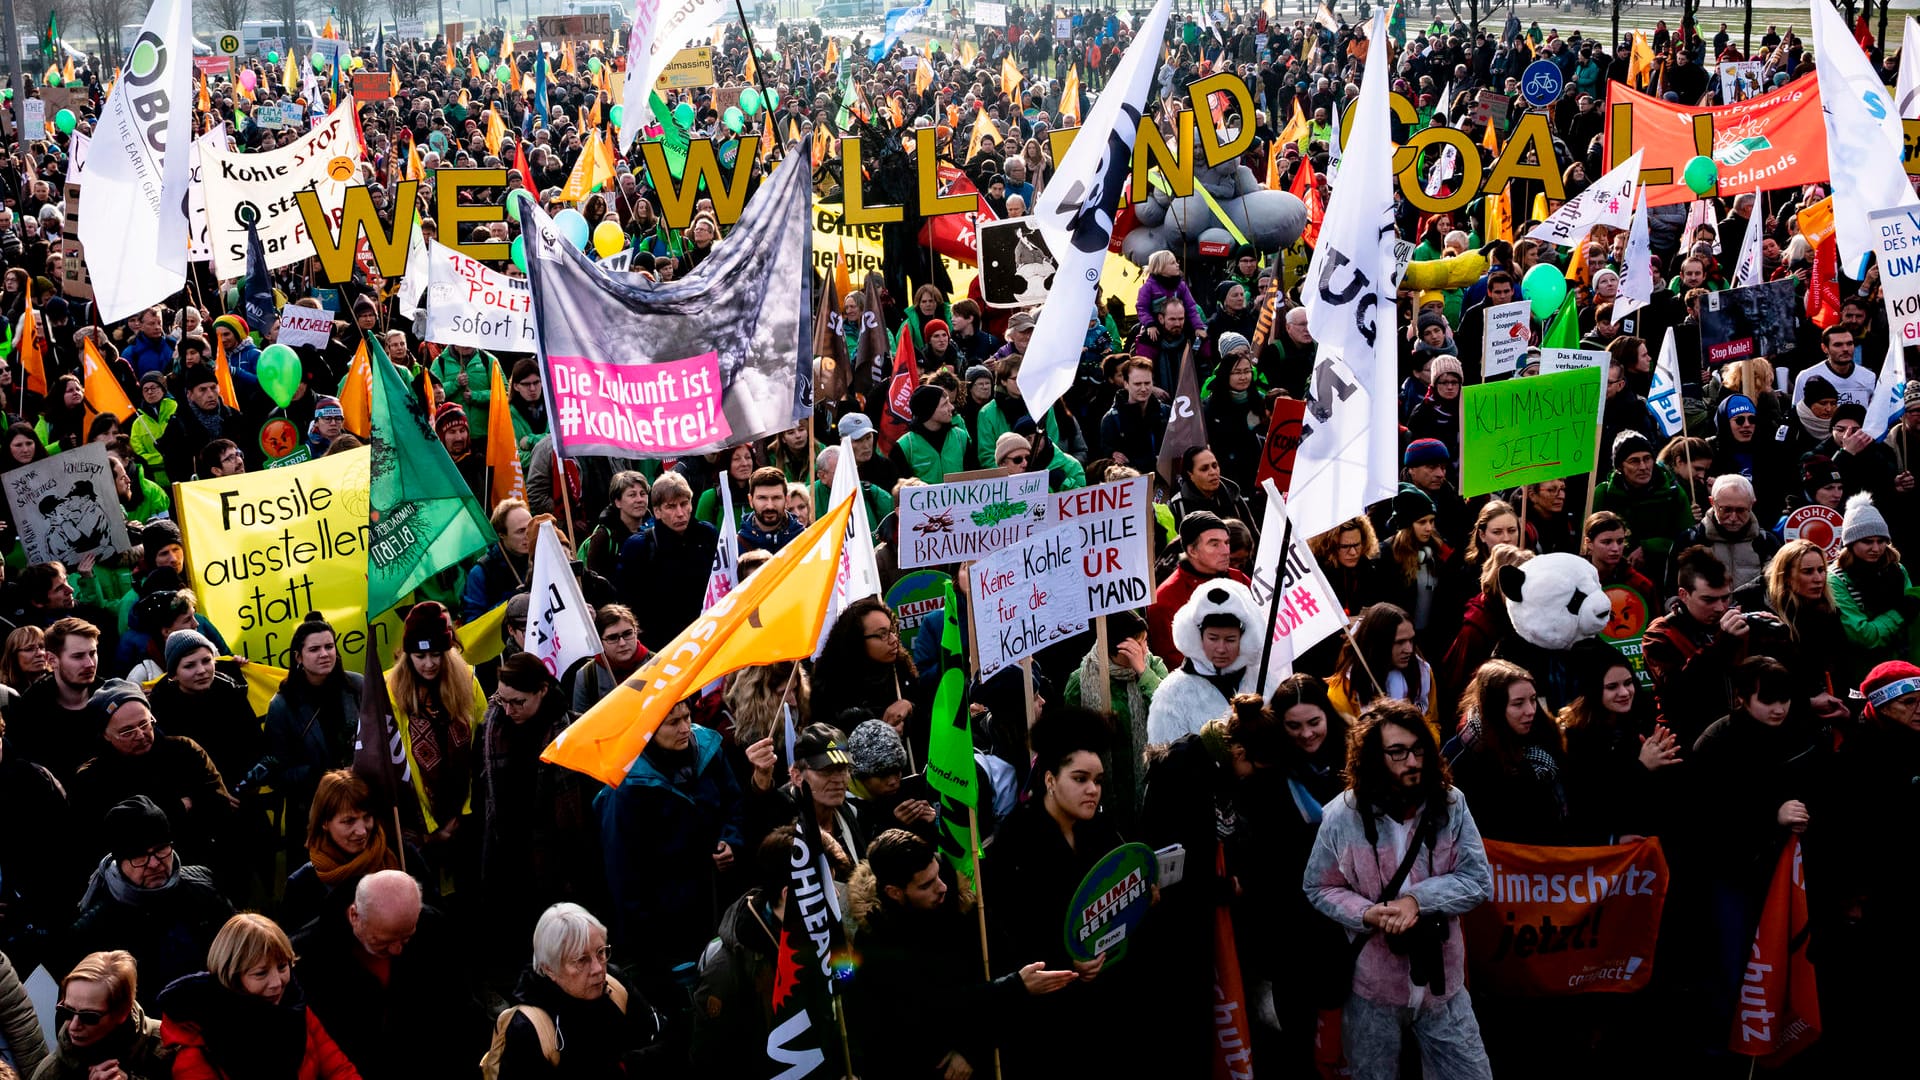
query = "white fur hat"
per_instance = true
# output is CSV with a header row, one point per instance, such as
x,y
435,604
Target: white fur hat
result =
x,y
1215,601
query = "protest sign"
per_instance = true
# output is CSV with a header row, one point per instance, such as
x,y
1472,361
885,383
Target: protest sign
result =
x,y
1110,902
1283,443
35,112
967,519
1777,140
271,117
1523,431
1553,361
913,598
242,187
1016,269
1627,626
1568,920
1896,238
410,29
305,326
199,229
689,67
1739,80
660,409
986,13
1757,320
74,279
372,85
64,508
1116,551
1307,610
210,66
1027,596
574,27
1814,523
266,548
1504,350
473,305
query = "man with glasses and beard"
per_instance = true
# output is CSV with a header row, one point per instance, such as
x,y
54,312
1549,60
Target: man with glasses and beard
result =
x,y
1400,810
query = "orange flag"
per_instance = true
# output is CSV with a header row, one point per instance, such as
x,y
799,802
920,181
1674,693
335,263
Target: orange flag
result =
x,y
32,365
503,458
1780,1008
773,616
1070,96
496,131
223,374
449,61
983,126
99,390
356,394
1010,77
473,65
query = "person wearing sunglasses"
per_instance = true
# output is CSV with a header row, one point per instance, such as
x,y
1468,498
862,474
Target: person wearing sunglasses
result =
x,y
103,1032
145,898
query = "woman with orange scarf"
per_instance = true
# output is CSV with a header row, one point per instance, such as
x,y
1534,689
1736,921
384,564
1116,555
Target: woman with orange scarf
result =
x,y
346,841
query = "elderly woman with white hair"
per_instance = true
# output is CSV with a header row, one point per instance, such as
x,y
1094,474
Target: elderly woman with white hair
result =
x,y
570,1016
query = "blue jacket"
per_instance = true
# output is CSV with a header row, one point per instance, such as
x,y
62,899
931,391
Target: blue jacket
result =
x,y
148,354
754,538
658,835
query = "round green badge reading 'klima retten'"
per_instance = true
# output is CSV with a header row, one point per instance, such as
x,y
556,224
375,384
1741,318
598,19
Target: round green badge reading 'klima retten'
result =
x,y
1110,902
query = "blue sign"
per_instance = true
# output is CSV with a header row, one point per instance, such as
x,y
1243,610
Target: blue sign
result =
x,y
1541,83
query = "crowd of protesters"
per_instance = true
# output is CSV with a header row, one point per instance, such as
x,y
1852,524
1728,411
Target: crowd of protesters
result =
x,y
156,813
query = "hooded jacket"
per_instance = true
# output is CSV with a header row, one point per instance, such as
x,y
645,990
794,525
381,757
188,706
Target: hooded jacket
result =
x,y
1197,692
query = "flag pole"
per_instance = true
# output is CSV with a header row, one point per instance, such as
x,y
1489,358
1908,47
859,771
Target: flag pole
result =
x,y
1273,601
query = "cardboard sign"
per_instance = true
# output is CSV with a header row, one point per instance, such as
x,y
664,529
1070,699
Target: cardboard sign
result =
x,y
1027,596
305,326
969,519
64,507
1523,431
574,27
1116,546
1814,523
372,86
1568,920
410,29
1625,628
1507,335
74,278
690,67
1758,320
1110,902
1283,443
454,32
913,598
1740,80
35,111
986,13
1896,238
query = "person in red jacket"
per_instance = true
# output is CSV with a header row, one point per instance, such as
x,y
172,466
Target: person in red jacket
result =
x,y
245,1016
1206,553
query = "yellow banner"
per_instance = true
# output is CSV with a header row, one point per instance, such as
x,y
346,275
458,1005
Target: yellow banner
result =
x,y
862,243
690,67
266,548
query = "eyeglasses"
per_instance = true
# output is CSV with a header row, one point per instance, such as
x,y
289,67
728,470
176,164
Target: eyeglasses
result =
x,y
1446,380
888,634
64,1015
1355,546
528,384
159,854
624,635
1401,753
137,729
604,953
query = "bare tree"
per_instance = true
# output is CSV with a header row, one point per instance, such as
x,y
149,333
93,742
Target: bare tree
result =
x,y
229,14
104,18
1476,10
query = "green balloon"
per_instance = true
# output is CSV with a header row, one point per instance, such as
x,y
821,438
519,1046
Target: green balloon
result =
x,y
750,101
1702,176
734,119
773,99
683,115
593,64
273,58
6,95
519,253
319,63
279,370
617,114
64,122
484,63
53,78
1545,288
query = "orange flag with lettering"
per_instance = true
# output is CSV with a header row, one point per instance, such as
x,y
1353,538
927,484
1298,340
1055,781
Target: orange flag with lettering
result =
x,y
99,390
503,458
1778,1014
773,616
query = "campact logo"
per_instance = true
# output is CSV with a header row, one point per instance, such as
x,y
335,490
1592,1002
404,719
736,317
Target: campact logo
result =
x,y
146,72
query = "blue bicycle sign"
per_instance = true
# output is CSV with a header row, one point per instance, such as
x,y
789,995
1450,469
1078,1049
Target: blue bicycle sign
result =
x,y
1541,83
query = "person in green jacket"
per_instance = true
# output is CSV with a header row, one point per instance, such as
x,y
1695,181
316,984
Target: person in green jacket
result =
x,y
529,410
1872,593
1006,409
741,462
140,498
466,375
151,414
1647,495
879,503
1133,675
937,443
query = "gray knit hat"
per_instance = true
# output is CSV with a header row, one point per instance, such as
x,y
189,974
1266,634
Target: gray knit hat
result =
x,y
181,643
114,693
1862,521
1230,342
877,749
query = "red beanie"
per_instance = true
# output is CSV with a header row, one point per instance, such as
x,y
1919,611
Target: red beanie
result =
x,y
1893,679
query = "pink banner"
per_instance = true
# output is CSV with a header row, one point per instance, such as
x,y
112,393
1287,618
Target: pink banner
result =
x,y
643,408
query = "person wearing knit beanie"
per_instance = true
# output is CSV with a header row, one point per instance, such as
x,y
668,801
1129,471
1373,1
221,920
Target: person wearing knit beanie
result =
x,y
1819,390
1892,690
877,752
1010,443
427,628
1444,365
184,643
1850,410
1231,342
235,325
134,827
1862,521
1426,452
1410,504
926,400
1626,444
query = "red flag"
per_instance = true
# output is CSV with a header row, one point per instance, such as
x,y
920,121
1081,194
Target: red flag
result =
x,y
1778,1014
1823,292
526,174
1232,1029
952,235
894,414
1306,188
1283,441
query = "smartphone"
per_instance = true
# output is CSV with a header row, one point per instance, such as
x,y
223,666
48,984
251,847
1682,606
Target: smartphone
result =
x,y
1173,864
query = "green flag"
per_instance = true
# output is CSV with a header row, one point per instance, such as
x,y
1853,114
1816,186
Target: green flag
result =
x,y
51,48
950,767
424,516
1564,331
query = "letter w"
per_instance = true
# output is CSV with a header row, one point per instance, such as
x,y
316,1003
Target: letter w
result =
x,y
356,215
798,1063
702,168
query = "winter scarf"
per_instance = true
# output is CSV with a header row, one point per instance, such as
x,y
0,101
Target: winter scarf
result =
x,y
212,421
1814,426
245,1037
1130,693
335,866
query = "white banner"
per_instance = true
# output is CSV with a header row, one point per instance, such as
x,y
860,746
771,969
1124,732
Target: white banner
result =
x,y
1557,360
989,14
77,157
859,575
1865,139
659,35
305,326
35,112
1027,596
1636,281
239,186
559,622
1504,348
468,304
1116,549
1309,609
967,519
1896,236
1607,201
133,220
1664,399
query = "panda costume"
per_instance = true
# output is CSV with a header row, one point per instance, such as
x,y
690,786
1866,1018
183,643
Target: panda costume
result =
x,y
1197,693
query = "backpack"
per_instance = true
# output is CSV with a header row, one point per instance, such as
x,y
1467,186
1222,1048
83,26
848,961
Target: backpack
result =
x,y
543,1026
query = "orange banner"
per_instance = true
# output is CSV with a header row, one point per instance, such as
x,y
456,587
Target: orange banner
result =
x,y
1568,920
1777,140
1779,1011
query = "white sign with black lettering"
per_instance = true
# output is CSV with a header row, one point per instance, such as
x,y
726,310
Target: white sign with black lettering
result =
x,y
1028,596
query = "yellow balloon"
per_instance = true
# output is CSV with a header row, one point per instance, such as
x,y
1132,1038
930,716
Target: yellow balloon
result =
x,y
608,240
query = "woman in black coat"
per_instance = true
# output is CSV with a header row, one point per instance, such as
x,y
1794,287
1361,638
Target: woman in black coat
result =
x,y
313,722
864,665
568,1000
1235,411
1508,758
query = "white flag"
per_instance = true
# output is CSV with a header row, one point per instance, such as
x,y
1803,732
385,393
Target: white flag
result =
x,y
1607,201
1864,138
859,575
1075,214
413,285
133,207
725,575
1907,95
1308,609
1664,398
1747,265
1889,393
1636,281
559,623
657,37
1349,439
